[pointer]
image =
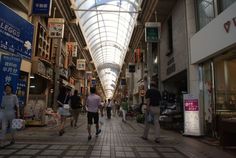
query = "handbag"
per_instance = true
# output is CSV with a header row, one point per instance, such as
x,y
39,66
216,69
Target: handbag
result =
x,y
18,124
150,118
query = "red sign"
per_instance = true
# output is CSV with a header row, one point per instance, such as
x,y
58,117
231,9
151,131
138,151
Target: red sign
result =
x,y
191,105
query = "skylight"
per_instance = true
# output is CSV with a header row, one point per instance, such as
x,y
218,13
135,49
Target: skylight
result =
x,y
107,26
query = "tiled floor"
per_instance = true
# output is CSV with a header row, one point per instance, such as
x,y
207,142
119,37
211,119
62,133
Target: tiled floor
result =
x,y
117,140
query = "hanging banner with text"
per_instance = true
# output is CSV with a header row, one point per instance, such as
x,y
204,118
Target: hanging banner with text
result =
x,y
191,115
9,72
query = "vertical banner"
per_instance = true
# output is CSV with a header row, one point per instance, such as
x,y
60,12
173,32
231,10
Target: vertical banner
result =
x,y
191,115
89,75
93,82
80,65
9,72
56,27
21,92
71,48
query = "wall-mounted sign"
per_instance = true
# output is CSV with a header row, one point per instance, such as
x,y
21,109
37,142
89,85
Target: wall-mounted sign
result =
x,y
93,81
71,48
56,27
9,72
191,115
89,75
152,31
16,34
42,7
81,64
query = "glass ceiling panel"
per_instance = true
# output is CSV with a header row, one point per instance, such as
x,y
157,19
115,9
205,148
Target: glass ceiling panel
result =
x,y
107,26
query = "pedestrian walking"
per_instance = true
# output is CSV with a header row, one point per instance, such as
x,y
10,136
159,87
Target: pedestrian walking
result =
x,y
124,109
109,106
93,104
9,110
63,110
153,98
75,104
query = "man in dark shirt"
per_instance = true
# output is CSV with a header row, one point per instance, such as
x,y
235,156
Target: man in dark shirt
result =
x,y
153,98
75,104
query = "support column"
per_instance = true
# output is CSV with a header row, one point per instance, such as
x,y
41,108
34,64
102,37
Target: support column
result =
x,y
149,63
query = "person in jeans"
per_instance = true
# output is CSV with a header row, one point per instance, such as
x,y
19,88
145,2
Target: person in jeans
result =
x,y
9,108
75,104
153,98
93,104
109,106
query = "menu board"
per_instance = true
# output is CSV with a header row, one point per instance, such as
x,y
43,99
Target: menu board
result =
x,y
191,115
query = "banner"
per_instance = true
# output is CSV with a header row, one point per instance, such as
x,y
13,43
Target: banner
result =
x,y
16,33
56,27
71,48
81,64
89,75
21,92
9,72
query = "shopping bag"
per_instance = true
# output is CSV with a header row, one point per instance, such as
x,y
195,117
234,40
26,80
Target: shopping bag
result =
x,y
66,106
101,120
18,124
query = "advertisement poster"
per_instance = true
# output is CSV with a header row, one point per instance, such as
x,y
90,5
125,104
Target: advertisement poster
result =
x,y
16,34
80,65
21,92
191,115
56,27
9,72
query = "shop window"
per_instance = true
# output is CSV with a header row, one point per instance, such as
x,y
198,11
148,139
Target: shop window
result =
x,y
224,4
205,12
225,84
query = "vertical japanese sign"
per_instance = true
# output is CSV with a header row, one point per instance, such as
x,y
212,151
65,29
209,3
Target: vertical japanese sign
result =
x,y
191,115
71,48
9,72
21,92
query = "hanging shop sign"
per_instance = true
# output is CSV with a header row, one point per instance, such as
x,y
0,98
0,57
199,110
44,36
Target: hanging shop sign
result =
x,y
71,48
93,81
191,115
81,64
131,68
123,82
16,33
41,7
152,31
9,72
56,27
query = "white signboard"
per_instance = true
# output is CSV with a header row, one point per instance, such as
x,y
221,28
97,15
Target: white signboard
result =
x,y
56,27
80,64
191,115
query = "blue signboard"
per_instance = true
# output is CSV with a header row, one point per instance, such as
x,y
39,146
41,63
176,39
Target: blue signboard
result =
x,y
41,7
21,92
16,33
9,72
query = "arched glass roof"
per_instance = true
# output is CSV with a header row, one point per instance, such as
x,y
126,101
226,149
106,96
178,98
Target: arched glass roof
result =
x,y
107,26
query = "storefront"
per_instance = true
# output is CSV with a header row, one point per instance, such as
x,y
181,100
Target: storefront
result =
x,y
213,49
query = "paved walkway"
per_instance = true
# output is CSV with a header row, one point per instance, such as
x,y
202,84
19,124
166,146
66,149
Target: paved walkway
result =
x,y
117,140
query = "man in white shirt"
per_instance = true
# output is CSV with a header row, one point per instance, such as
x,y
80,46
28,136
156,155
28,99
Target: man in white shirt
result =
x,y
93,104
